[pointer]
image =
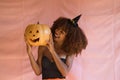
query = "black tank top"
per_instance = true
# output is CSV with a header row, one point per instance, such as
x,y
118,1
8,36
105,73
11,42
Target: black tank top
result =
x,y
50,70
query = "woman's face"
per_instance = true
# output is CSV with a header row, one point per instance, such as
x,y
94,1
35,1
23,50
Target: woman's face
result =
x,y
59,36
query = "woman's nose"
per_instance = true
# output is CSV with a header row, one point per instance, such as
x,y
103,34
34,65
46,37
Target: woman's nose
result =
x,y
57,32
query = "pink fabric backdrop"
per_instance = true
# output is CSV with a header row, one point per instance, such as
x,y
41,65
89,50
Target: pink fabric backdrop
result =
x,y
100,21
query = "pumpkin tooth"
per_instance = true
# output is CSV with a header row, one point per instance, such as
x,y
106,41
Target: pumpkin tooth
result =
x,y
37,40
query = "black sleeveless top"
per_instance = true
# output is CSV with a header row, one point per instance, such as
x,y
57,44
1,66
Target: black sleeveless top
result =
x,y
50,70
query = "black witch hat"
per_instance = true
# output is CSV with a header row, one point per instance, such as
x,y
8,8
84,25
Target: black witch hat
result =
x,y
75,20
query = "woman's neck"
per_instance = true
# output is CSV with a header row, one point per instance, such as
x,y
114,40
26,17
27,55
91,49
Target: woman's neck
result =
x,y
57,45
58,49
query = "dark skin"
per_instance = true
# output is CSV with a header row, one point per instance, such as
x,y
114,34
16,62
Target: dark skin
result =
x,y
53,52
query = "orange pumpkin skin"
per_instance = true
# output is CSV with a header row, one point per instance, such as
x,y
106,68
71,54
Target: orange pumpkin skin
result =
x,y
37,34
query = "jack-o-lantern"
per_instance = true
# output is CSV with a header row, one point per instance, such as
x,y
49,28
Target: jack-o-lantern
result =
x,y
37,34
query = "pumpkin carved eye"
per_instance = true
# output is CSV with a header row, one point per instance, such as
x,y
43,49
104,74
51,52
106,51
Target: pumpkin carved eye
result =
x,y
30,32
37,31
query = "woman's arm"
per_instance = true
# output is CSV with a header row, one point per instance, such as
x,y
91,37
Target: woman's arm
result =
x,y
63,68
35,66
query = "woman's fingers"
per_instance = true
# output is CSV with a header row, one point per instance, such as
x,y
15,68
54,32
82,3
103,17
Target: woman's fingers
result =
x,y
51,39
50,43
28,46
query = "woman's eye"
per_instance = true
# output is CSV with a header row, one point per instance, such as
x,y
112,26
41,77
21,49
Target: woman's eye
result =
x,y
62,32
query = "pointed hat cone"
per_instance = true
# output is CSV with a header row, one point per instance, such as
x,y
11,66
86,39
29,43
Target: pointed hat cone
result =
x,y
76,18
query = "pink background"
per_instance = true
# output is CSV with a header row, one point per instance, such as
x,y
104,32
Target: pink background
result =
x,y
100,20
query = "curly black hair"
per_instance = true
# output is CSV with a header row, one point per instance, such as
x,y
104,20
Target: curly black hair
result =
x,y
75,39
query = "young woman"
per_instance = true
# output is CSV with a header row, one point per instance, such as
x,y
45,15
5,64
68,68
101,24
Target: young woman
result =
x,y
55,59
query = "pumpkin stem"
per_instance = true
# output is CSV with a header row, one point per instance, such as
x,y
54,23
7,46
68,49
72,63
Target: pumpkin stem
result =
x,y
38,22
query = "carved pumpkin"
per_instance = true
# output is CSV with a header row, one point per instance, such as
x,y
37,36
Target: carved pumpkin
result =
x,y
37,34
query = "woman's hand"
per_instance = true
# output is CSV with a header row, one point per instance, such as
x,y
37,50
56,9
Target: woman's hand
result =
x,y
28,46
50,44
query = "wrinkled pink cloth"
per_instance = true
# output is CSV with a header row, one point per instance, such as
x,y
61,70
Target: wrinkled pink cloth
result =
x,y
100,21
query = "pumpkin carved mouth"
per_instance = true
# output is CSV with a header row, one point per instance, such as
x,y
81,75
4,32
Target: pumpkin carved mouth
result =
x,y
35,40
